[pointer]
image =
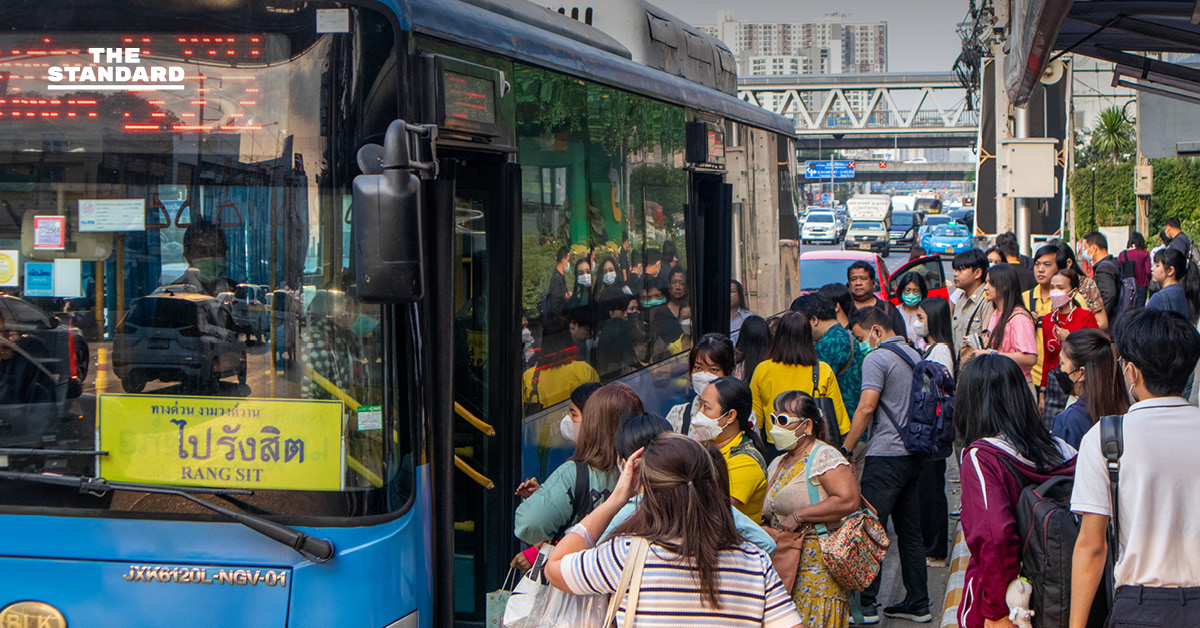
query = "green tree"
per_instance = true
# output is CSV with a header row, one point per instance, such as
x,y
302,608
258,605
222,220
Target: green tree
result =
x,y
1113,134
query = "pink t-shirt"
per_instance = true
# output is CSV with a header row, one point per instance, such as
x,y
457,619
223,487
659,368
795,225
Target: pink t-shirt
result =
x,y
1020,336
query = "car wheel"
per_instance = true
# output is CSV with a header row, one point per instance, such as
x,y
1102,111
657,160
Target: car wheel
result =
x,y
81,360
133,383
887,251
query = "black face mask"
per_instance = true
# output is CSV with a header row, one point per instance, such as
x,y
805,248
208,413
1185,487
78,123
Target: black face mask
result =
x,y
1064,382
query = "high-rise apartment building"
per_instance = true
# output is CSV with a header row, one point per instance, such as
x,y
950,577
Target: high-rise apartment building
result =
x,y
828,46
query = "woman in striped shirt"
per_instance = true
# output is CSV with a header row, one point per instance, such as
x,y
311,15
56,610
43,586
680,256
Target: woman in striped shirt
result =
x,y
699,572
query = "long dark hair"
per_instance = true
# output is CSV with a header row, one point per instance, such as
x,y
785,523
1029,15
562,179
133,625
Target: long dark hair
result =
x,y
734,394
684,507
1103,384
753,344
1004,279
994,400
793,341
717,348
937,325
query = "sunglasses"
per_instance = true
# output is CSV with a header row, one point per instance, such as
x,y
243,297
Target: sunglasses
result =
x,y
783,420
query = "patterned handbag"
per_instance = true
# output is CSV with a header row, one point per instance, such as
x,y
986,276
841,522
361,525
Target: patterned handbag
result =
x,y
853,552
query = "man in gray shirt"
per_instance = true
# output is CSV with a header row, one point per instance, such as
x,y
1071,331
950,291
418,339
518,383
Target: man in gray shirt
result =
x,y
891,475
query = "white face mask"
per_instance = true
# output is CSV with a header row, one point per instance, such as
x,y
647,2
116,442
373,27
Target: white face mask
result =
x,y
610,278
705,428
919,329
584,280
686,325
785,439
569,428
700,381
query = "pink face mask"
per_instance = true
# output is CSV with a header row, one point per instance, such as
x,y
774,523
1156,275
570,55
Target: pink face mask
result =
x,y
1058,298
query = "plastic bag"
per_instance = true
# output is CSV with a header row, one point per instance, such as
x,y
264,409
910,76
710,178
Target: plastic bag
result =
x,y
528,599
568,610
497,600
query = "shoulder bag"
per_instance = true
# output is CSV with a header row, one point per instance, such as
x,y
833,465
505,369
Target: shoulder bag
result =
x,y
853,552
825,405
631,581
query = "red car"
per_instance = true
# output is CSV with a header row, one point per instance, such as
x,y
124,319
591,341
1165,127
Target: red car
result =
x,y
818,268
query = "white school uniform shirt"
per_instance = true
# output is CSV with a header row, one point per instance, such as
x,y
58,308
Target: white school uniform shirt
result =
x,y
1160,500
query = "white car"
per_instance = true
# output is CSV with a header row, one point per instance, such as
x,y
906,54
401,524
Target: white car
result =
x,y
821,226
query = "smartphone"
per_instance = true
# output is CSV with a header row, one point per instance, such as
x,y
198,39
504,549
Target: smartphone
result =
x,y
975,340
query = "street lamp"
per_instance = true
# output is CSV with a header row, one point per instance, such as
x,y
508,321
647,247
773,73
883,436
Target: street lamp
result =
x,y
1094,223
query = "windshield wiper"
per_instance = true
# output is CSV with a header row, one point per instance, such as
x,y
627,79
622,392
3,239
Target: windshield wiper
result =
x,y
312,548
22,451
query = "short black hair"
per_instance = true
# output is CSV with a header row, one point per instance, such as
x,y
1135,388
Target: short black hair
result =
x,y
561,255
656,283
636,431
718,348
1096,238
1171,258
970,259
840,295
1136,241
1007,243
912,276
861,265
668,251
868,317
652,255
1162,344
1173,223
582,392
815,305
1060,260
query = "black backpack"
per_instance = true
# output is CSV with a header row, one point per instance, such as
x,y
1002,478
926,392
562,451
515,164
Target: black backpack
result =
x,y
1127,289
1048,530
929,431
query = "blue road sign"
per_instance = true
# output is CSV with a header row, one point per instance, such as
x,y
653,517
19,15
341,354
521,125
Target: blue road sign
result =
x,y
837,169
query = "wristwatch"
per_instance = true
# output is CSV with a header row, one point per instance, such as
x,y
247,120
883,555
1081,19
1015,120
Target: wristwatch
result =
x,y
845,452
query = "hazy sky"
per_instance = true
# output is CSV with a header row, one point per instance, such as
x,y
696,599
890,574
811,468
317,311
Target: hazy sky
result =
x,y
921,35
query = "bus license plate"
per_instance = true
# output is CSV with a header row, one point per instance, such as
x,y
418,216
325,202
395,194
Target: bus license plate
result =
x,y
159,343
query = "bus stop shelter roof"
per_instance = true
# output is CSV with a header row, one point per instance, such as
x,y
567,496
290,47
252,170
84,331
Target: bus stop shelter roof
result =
x,y
1123,31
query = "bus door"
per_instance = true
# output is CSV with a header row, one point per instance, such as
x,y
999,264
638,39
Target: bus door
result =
x,y
487,345
711,216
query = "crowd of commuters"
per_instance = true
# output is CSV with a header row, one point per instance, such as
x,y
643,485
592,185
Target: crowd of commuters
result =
x,y
795,422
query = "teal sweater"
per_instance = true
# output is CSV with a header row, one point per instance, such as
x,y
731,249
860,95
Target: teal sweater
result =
x,y
546,513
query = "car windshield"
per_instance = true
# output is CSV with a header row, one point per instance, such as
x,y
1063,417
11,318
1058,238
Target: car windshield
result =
x,y
815,273
231,162
819,218
950,231
902,219
934,221
867,225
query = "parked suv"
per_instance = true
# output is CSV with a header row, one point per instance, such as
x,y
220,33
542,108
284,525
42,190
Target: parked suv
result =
x,y
186,338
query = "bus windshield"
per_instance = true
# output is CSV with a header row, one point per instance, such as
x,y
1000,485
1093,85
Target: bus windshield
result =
x,y
178,288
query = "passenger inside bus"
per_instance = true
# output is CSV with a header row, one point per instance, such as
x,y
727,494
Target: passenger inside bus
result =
x,y
205,249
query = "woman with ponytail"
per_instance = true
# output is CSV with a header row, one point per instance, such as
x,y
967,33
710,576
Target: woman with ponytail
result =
x,y
724,419
699,571
798,430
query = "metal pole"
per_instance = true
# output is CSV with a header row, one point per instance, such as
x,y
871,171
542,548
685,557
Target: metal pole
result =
x,y
1022,208
1093,221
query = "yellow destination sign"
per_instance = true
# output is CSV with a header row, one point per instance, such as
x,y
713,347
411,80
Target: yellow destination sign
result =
x,y
222,442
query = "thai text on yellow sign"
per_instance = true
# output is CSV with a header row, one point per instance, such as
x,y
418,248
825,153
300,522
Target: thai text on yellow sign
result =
x,y
222,442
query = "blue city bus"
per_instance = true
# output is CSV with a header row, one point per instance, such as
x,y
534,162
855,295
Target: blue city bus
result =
x,y
401,180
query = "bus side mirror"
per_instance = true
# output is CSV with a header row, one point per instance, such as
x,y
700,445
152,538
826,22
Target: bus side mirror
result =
x,y
386,219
